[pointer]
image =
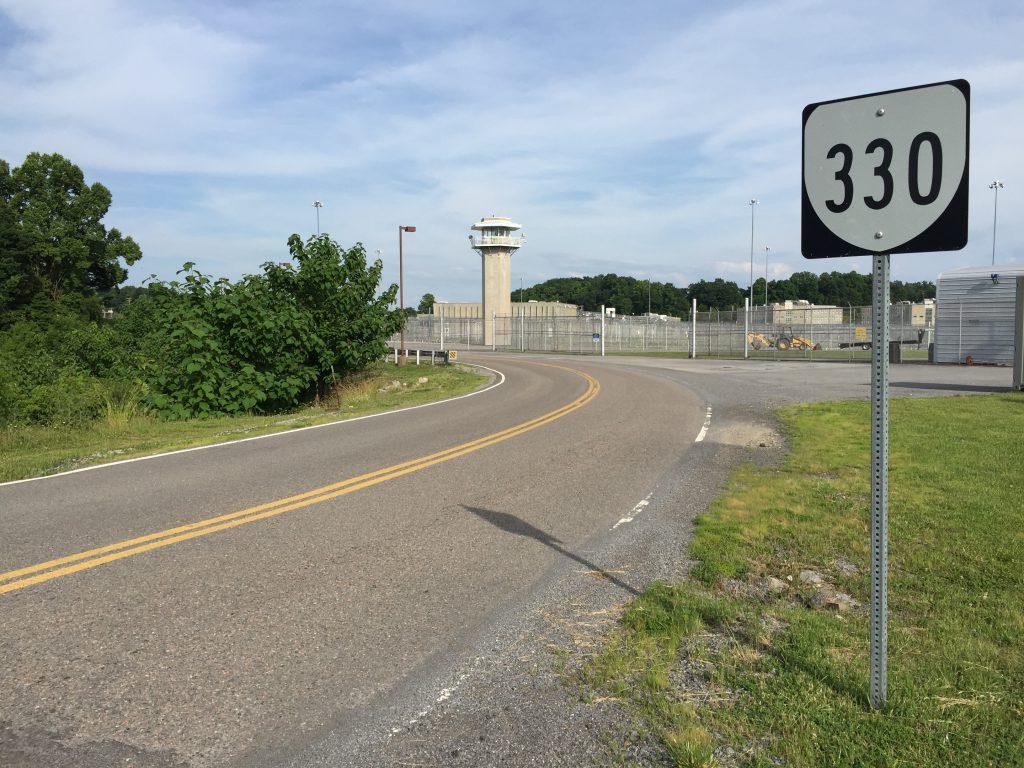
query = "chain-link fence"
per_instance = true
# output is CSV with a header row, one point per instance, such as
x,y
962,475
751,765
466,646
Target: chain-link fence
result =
x,y
838,333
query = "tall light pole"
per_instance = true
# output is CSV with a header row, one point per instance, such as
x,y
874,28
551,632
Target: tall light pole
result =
x,y
401,290
318,205
750,286
766,249
995,185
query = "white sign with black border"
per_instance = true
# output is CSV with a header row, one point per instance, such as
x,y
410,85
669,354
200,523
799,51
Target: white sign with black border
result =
x,y
887,172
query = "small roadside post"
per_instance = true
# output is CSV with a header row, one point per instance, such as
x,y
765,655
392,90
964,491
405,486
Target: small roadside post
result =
x,y
885,173
602,330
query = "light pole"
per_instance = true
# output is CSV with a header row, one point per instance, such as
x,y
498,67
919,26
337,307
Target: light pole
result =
x,y
750,286
401,290
318,205
766,249
995,185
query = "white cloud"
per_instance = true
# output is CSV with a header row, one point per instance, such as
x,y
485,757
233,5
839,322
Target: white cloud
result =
x,y
625,140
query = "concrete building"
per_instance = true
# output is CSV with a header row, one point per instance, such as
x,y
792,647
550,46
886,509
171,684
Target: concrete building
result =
x,y
457,310
975,314
802,312
496,242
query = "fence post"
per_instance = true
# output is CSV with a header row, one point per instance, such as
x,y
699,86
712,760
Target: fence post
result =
x,y
494,330
746,325
396,354
1018,338
442,327
417,357
693,334
602,330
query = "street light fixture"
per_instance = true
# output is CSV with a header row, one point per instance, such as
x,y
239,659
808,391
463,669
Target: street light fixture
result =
x,y
995,185
318,205
401,291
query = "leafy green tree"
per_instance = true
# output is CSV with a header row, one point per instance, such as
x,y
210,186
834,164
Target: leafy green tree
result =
x,y
716,294
426,304
340,288
54,243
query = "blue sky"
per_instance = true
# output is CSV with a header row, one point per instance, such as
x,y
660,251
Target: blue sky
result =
x,y
625,137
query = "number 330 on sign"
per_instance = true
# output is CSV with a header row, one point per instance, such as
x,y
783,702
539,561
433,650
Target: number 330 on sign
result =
x,y
887,172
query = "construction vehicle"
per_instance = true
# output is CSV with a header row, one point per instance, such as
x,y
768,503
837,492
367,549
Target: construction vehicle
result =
x,y
785,340
759,341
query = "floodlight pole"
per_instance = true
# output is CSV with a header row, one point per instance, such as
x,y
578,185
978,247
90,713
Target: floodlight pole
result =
x,y
995,185
879,479
318,205
750,285
401,289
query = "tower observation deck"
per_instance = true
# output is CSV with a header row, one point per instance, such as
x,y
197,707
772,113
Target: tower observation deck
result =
x,y
496,241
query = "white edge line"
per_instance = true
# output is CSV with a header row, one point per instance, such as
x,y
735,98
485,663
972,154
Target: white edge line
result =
x,y
635,511
704,429
498,383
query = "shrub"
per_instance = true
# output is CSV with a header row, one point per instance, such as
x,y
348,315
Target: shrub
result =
x,y
71,399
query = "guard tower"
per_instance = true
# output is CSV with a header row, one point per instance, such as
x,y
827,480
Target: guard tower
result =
x,y
496,242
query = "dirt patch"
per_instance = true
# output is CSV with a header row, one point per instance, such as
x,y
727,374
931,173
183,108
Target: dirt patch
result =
x,y
746,434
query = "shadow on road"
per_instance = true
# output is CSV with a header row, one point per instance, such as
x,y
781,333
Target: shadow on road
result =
x,y
512,524
949,387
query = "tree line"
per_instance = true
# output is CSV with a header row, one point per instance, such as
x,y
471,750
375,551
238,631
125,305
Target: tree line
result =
x,y
630,296
189,347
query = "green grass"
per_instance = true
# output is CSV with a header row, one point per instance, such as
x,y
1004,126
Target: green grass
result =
x,y
784,684
126,432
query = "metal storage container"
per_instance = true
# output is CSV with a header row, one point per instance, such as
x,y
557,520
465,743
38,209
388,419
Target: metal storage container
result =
x,y
974,314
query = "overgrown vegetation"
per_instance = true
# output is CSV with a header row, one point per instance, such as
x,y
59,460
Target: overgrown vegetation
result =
x,y
123,431
732,668
192,347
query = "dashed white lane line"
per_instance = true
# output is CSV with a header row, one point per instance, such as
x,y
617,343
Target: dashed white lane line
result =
x,y
635,511
704,429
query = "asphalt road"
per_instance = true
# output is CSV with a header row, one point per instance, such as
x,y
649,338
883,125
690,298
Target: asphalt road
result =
x,y
296,600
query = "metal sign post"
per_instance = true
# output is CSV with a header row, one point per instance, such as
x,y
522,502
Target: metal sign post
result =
x,y
885,173
879,479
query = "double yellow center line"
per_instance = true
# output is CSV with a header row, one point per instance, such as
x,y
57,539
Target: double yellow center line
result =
x,y
63,566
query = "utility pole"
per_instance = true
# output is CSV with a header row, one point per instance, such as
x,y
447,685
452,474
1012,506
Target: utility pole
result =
x,y
318,205
995,185
401,289
750,285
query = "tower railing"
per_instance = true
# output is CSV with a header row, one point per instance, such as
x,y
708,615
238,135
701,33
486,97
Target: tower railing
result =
x,y
506,241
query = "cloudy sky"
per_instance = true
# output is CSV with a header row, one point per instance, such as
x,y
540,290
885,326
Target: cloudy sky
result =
x,y
625,137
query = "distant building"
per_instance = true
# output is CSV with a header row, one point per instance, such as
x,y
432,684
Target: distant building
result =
x,y
455,310
802,312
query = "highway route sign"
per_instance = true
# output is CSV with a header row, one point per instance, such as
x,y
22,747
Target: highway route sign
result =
x,y
886,172
596,336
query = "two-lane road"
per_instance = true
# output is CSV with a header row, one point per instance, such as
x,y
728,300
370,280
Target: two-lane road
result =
x,y
239,602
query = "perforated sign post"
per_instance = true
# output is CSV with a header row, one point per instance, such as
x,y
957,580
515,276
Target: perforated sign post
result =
x,y
885,173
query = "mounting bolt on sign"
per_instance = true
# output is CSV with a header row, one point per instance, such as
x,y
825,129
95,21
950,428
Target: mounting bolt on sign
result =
x,y
885,173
